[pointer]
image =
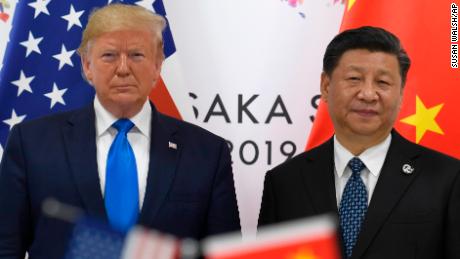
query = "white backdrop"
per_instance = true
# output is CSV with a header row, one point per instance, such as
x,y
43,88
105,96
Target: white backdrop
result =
x,y
247,71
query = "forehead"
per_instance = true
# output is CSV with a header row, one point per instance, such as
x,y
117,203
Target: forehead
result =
x,y
124,38
365,60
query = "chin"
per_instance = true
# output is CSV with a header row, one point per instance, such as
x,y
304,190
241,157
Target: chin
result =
x,y
126,100
125,97
364,130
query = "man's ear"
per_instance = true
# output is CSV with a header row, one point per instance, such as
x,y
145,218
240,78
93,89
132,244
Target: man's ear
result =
x,y
85,64
158,68
157,71
325,82
401,97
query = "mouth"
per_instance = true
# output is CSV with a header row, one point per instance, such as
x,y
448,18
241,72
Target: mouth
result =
x,y
365,112
123,87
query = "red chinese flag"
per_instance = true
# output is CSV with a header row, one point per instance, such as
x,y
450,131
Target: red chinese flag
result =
x,y
313,238
429,33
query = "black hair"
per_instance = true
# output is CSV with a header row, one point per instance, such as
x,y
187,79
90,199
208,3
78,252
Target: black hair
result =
x,y
369,38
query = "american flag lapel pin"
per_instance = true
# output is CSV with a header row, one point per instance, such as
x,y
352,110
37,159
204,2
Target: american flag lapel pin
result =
x,y
172,145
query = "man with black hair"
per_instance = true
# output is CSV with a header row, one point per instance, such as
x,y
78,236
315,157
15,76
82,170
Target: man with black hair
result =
x,y
393,198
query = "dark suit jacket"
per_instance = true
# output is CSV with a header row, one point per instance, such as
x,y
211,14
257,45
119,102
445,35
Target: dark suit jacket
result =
x,y
410,215
190,190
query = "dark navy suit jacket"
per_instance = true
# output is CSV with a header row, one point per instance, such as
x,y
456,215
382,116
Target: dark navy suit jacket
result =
x,y
413,215
190,189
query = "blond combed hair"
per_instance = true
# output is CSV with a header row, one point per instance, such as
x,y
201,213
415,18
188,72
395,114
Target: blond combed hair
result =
x,y
115,17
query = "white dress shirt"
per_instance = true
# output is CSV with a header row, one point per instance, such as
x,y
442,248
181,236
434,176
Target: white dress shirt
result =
x,y
138,137
372,157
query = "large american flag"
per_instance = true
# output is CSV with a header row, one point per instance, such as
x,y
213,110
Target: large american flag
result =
x,y
41,71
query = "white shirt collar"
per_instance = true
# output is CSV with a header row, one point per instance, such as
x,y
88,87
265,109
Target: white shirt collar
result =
x,y
104,119
372,157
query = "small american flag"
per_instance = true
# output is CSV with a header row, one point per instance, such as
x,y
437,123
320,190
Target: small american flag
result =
x,y
41,71
93,239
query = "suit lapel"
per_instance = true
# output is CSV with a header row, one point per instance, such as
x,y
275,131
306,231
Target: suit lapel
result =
x,y
80,143
318,176
165,148
391,186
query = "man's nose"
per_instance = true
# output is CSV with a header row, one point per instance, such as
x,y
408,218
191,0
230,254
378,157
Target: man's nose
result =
x,y
368,91
123,66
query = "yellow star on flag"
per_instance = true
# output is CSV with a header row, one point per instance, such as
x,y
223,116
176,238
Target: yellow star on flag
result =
x,y
350,4
424,119
303,254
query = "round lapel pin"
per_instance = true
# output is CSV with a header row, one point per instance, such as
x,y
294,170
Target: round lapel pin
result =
x,y
407,169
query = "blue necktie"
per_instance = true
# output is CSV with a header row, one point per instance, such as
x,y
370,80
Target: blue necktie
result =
x,y
353,206
121,188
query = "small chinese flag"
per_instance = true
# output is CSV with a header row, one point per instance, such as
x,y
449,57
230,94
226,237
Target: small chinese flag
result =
x,y
428,31
313,238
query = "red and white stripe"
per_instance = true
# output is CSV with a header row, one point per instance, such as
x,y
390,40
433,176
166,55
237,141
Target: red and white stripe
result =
x,y
146,244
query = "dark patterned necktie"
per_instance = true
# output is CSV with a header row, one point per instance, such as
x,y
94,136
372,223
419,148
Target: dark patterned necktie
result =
x,y
353,206
121,188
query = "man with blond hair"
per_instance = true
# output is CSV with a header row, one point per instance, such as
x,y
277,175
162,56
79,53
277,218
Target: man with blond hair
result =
x,y
118,159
